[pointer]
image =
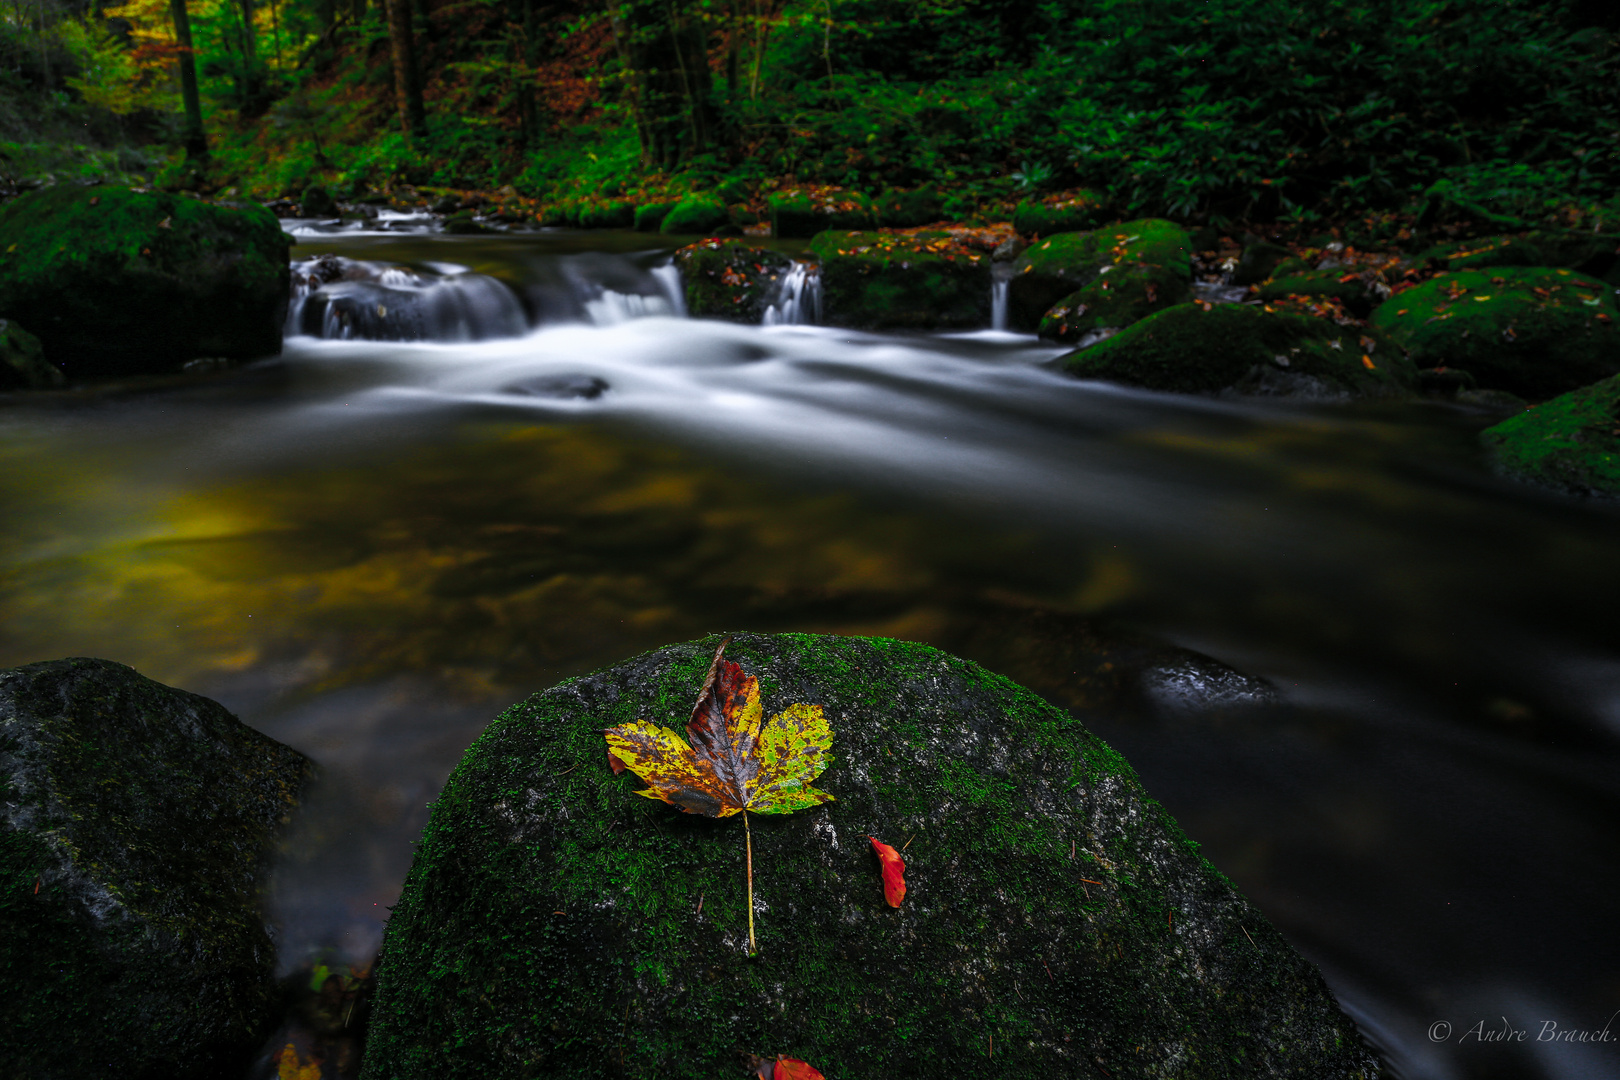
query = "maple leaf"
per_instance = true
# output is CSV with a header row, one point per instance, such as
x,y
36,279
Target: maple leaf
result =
x,y
894,872
736,760
783,1068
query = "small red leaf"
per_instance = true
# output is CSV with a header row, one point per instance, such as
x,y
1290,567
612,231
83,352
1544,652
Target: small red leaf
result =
x,y
894,872
615,764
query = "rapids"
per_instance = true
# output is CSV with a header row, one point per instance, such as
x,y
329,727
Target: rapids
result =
x,y
484,464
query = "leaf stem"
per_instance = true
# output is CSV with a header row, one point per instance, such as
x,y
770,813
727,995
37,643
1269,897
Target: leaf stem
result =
x,y
753,949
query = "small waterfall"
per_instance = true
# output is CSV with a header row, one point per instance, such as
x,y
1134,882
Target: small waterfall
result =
x,y
348,299
612,307
668,277
998,303
798,298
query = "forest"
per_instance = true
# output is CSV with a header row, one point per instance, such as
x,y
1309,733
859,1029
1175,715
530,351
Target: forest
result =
x,y
1385,114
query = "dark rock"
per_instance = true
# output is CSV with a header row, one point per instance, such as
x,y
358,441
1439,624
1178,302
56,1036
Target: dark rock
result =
x,y
1009,249
1060,214
1482,254
1195,683
730,279
121,282
1258,262
696,214
556,924
885,281
1061,265
1445,382
802,213
1235,348
22,361
318,202
1127,294
135,821
1569,444
908,209
1533,331
465,223
561,387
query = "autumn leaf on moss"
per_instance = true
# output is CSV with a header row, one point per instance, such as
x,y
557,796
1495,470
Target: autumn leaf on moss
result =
x,y
736,761
894,872
783,1068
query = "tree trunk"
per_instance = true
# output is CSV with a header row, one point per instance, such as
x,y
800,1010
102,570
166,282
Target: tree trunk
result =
x,y
196,141
407,82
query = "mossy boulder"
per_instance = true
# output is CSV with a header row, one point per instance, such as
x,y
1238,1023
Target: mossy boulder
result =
x,y
316,201
465,223
135,821
730,279
801,213
1350,288
609,214
1056,923
1569,444
1588,254
1060,265
118,282
1126,294
22,360
1259,261
1534,332
650,216
1073,212
888,281
908,209
1236,348
696,214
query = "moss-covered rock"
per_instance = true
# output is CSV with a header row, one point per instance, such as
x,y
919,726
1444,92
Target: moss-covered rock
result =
x,y
135,820
1258,262
115,281
1569,444
465,223
1073,212
887,281
316,201
650,216
908,209
607,214
694,215
801,213
1483,253
1060,265
1057,922
1126,294
1194,349
730,279
1532,331
22,360
1354,290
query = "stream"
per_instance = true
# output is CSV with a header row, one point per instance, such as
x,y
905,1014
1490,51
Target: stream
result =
x,y
485,464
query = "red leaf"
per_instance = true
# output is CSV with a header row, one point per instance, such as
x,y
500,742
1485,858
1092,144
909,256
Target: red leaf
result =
x,y
894,872
615,764
784,1068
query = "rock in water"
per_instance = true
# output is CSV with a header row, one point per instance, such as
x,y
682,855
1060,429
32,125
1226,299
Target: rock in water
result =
x,y
1569,444
22,360
730,279
134,824
115,281
1057,922
890,281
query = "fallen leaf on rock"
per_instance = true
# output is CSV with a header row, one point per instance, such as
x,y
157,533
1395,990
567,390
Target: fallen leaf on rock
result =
x,y
894,872
736,761
783,1068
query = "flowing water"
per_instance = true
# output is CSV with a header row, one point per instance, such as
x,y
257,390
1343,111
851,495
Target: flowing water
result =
x,y
484,464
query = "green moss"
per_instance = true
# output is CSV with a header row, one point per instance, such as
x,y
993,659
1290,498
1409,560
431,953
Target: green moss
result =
x,y
118,281
922,281
609,214
650,216
906,209
1484,253
555,923
1337,283
1188,349
1060,265
802,213
1129,293
1534,332
729,279
695,214
1570,444
1067,214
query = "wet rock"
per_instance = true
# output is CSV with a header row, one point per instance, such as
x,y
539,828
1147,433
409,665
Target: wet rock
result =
x,y
316,201
22,361
1194,683
135,820
560,387
1244,350
1445,382
1009,249
1061,265
1072,212
1569,444
885,281
696,214
803,212
1258,262
1533,331
730,279
115,281
1126,294
1057,922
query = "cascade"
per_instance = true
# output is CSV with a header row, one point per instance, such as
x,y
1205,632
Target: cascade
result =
x,y
798,298
334,297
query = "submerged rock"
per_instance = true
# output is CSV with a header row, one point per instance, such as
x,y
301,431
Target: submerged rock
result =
x,y
1060,265
1236,348
888,281
1535,332
1569,444
135,820
22,360
730,279
121,282
1057,922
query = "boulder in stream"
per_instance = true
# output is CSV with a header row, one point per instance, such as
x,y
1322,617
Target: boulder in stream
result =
x,y
1570,444
1240,349
118,281
1060,265
1533,331
902,281
22,360
1124,294
135,821
730,279
1056,920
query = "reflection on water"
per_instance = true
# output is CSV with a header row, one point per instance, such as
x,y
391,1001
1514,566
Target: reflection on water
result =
x,y
366,549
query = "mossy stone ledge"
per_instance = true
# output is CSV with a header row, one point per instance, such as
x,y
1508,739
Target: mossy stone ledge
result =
x,y
135,824
1128,294
1057,923
116,281
1570,444
730,279
1057,267
902,281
